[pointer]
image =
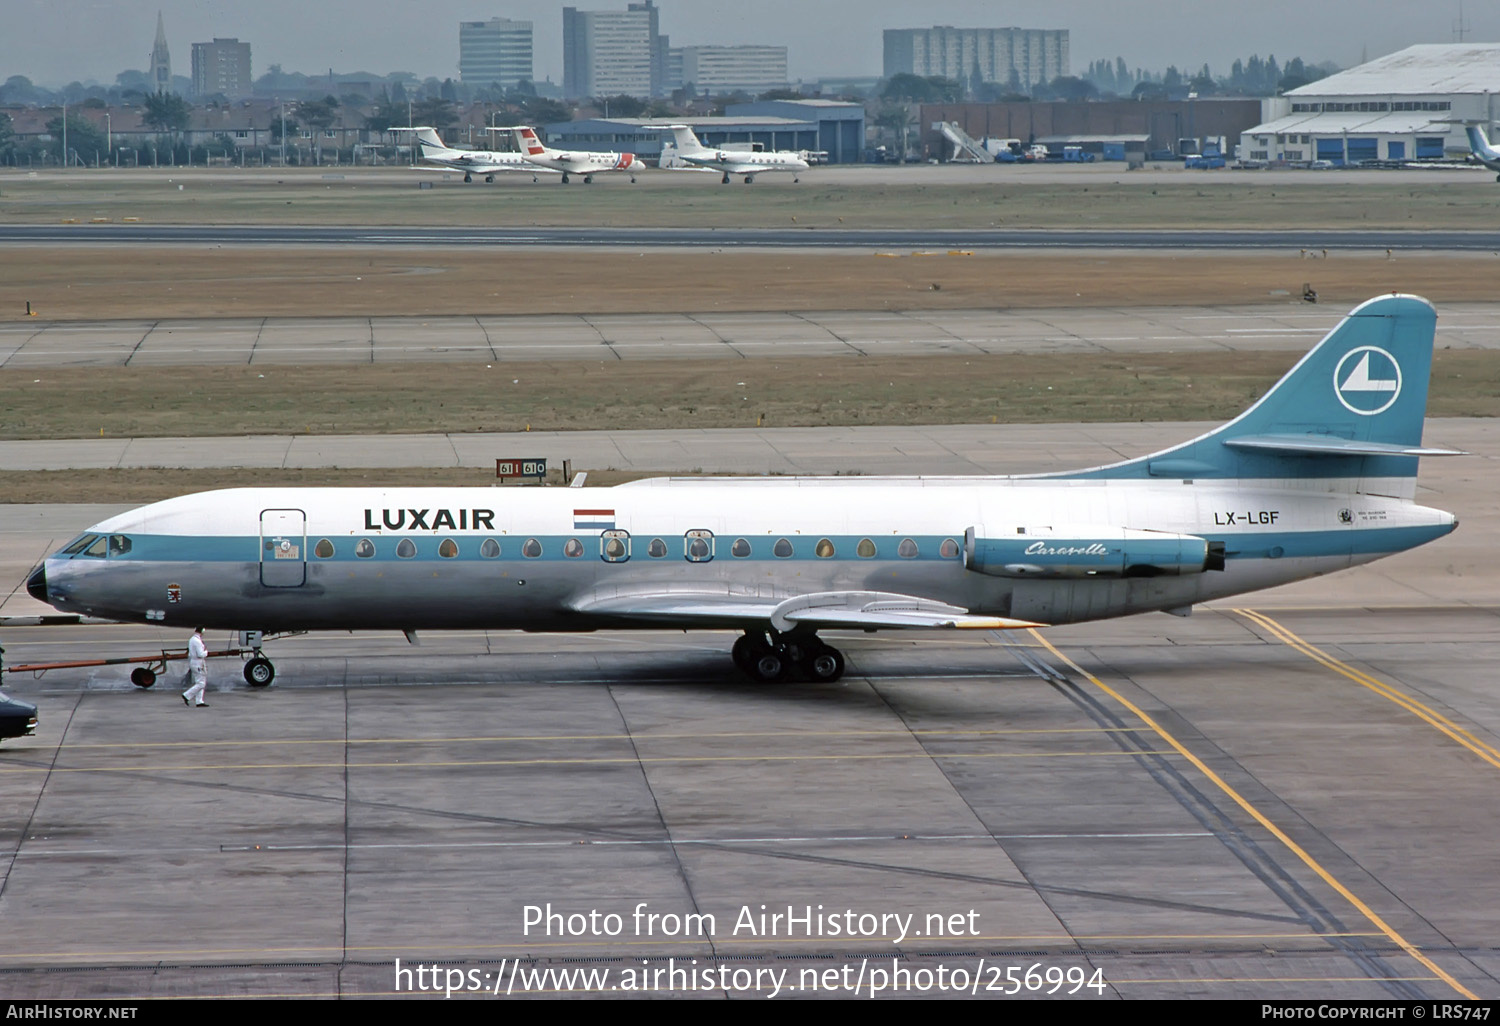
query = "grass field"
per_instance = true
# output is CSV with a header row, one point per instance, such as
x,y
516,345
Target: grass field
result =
x,y
1097,197
668,394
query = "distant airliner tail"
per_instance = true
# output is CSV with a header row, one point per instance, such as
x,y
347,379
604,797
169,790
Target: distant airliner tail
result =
x,y
425,134
1480,146
527,141
1353,407
685,139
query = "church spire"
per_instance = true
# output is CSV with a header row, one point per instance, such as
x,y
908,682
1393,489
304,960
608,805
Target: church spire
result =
x,y
161,60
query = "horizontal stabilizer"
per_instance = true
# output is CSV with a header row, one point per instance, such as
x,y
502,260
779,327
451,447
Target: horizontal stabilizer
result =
x,y
1313,445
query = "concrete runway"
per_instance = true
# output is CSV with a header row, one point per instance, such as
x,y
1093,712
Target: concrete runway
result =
x,y
1205,807
1292,326
1477,240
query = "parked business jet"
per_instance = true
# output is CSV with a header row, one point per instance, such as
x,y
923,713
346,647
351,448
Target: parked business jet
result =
x,y
1483,152
1318,475
576,162
732,162
470,162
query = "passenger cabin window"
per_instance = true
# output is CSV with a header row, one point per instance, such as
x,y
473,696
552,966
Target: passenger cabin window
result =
x,y
364,548
572,548
824,549
657,549
448,548
324,549
614,546
782,548
699,546
949,549
489,548
118,545
741,548
79,545
406,549
866,549
907,549
532,549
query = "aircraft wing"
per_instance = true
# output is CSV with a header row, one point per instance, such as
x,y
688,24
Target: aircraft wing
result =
x,y
746,168
857,610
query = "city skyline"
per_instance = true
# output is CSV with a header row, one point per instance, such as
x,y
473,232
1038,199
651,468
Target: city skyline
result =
x,y
54,42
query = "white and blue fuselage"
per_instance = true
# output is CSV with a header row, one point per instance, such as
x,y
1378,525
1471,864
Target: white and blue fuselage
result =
x,y
1317,476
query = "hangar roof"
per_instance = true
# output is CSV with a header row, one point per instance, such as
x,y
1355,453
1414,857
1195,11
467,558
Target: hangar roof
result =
x,y
1403,123
1423,69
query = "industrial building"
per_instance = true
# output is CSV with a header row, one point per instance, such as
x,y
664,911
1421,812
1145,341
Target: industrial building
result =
x,y
1111,129
494,52
1025,56
1408,105
222,68
833,132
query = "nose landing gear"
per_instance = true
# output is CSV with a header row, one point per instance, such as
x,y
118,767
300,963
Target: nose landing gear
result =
x,y
259,671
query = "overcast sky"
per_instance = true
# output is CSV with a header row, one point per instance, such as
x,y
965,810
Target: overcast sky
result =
x,y
54,42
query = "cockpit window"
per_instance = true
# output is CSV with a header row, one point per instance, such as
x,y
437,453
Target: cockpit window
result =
x,y
118,545
79,545
99,548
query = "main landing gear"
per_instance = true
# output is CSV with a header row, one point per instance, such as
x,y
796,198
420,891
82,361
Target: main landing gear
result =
x,y
468,178
725,179
489,179
769,657
565,178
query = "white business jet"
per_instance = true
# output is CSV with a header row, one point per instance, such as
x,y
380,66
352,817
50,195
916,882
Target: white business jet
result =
x,y
732,162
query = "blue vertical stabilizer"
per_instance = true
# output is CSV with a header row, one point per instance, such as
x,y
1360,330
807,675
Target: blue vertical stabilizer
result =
x,y
1352,407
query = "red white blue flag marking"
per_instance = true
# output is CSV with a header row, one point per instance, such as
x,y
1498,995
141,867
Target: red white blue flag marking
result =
x,y
593,519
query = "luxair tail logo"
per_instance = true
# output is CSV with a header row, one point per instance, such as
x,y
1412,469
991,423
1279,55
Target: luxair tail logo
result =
x,y
1367,380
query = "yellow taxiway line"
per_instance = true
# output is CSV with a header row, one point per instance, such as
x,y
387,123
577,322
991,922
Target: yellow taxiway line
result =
x,y
1275,831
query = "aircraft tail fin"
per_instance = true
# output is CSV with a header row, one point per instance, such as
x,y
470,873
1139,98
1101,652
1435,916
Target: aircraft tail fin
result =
x,y
1480,146
685,139
527,141
1353,407
425,134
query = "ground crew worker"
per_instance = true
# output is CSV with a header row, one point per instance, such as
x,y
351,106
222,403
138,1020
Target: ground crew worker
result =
x,y
197,669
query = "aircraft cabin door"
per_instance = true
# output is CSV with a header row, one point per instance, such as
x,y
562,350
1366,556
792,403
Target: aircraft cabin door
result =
x,y
283,548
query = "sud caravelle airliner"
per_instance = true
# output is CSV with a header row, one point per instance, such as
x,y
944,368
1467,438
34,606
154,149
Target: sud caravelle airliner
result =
x,y
1318,475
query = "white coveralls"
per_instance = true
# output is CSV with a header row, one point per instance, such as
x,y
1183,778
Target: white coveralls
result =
x,y
197,670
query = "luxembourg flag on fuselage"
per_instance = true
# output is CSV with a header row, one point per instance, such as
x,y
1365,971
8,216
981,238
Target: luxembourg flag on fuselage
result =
x,y
593,519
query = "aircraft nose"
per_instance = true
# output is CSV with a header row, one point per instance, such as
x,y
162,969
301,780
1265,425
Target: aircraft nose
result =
x,y
36,584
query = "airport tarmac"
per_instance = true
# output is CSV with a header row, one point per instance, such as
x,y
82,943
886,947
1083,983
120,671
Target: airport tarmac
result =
x,y
1292,801
1291,326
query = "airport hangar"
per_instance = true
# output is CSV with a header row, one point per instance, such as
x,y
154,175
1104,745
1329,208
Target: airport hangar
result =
x,y
829,127
1408,105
